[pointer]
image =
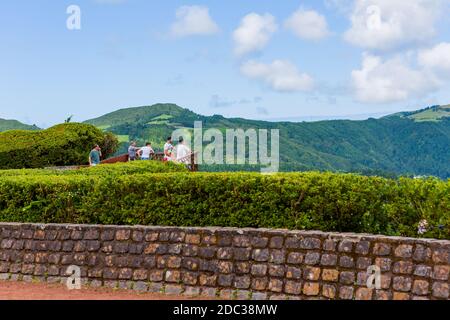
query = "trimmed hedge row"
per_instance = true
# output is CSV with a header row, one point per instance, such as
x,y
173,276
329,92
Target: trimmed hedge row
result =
x,y
319,201
64,144
128,168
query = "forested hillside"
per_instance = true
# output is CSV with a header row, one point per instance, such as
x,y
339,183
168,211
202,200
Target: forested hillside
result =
x,y
414,143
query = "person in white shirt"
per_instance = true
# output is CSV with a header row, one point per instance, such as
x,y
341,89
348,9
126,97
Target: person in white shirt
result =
x,y
183,152
146,152
168,150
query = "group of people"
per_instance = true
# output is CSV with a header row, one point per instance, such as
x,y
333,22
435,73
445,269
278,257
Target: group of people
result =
x,y
179,153
144,153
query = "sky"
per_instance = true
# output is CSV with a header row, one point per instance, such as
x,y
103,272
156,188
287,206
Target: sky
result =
x,y
256,59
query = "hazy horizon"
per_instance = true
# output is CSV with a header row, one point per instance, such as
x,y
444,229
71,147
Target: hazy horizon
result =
x,y
312,118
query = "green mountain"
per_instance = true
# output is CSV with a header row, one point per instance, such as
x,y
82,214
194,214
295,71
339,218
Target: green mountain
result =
x,y
409,143
433,113
6,125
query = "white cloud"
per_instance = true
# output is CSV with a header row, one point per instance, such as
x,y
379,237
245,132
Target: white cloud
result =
x,y
392,80
193,20
307,24
437,59
390,24
280,75
254,33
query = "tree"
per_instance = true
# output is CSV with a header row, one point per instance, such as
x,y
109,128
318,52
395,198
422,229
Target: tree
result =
x,y
69,119
109,145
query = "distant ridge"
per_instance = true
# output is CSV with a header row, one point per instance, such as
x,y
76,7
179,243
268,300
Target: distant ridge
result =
x,y
136,115
433,113
6,125
355,117
407,143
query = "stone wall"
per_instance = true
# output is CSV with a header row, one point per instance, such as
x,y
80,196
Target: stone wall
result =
x,y
228,263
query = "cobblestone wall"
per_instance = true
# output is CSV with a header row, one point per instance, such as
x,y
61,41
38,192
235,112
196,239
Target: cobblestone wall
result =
x,y
228,263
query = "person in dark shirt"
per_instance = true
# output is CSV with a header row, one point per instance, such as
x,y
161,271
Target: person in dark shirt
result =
x,y
132,151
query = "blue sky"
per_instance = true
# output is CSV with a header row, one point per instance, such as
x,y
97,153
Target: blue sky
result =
x,y
255,59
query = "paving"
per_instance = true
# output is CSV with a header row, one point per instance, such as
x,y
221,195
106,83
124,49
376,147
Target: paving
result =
x,y
36,291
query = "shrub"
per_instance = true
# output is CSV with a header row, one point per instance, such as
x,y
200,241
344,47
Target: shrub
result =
x,y
110,144
127,168
64,144
320,201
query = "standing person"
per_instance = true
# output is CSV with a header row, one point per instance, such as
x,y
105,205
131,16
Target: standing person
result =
x,y
146,151
168,150
132,151
95,155
183,152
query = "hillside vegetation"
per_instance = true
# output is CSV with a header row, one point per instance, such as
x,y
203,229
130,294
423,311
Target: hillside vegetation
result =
x,y
396,145
433,113
318,201
127,168
64,144
6,125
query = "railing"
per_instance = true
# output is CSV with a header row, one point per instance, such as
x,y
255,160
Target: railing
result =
x,y
159,156
121,158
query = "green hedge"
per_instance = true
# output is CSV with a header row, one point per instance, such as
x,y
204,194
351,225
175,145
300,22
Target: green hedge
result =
x,y
320,201
129,168
64,144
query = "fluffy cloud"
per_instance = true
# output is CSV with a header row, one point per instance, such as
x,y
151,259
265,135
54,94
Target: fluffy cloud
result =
x,y
280,75
389,24
307,24
193,20
392,80
254,33
436,59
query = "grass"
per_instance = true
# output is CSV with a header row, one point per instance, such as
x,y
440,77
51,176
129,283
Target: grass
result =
x,y
159,122
123,138
432,115
163,117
